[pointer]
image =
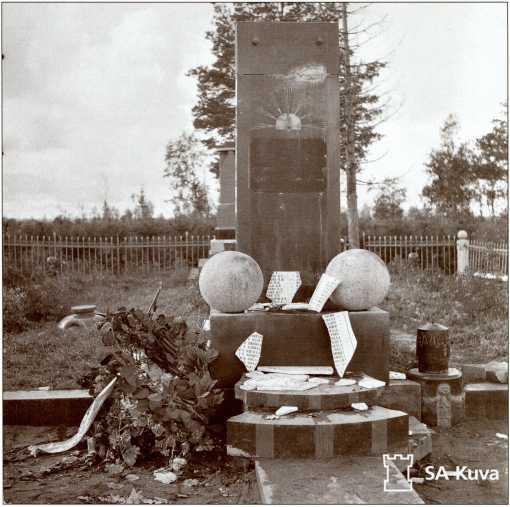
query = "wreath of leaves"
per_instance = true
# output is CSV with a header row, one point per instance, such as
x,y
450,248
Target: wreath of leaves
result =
x,y
164,395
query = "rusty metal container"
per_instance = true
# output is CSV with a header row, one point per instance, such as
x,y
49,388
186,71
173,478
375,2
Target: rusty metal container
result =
x,y
432,348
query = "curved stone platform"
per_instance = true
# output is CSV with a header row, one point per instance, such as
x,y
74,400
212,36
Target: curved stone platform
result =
x,y
322,397
321,435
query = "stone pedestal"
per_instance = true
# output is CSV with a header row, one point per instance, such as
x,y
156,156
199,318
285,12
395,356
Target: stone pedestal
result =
x,y
297,339
442,397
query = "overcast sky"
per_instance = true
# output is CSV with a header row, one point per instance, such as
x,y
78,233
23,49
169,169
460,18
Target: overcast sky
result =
x,y
93,92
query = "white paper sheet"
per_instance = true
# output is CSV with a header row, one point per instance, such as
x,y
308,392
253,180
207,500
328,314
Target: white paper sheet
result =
x,y
327,284
86,422
343,341
296,306
298,370
249,351
283,286
370,383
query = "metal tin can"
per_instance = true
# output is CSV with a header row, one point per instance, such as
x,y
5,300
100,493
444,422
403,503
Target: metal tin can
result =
x,y
432,348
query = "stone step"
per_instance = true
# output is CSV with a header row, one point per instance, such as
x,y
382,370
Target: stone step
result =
x,y
340,481
486,400
45,408
323,397
323,434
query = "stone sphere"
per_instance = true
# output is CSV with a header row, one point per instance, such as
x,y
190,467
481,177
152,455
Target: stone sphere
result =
x,y
231,282
364,279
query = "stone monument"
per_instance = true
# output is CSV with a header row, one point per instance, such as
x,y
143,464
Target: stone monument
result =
x,y
287,195
288,192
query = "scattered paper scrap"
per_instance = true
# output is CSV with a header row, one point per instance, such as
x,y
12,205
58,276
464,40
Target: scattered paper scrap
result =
x,y
259,307
327,284
370,382
283,286
396,375
249,351
285,409
344,382
255,374
270,417
86,422
164,475
296,306
302,386
207,325
298,370
502,435
343,341
359,406
318,380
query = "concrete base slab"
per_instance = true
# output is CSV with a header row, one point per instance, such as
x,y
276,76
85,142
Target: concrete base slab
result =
x,y
45,408
486,400
340,481
318,435
404,395
297,339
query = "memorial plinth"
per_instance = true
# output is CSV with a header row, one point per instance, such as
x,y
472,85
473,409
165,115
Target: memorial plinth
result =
x,y
297,339
322,397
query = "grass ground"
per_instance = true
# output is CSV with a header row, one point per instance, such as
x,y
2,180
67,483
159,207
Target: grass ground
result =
x,y
475,310
45,356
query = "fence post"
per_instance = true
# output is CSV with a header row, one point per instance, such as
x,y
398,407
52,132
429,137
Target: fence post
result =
x,y
462,253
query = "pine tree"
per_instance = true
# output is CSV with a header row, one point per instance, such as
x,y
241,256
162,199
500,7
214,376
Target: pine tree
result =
x,y
214,112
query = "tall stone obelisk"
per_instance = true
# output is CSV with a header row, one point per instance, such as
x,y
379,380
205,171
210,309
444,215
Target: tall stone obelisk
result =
x,y
288,193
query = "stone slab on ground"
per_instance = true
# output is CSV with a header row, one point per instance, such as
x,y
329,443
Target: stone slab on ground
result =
x,y
339,481
420,439
45,408
322,397
322,435
404,395
486,400
493,371
297,339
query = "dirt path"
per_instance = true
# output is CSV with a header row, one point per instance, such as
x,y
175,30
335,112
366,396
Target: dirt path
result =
x,y
219,478
224,480
473,444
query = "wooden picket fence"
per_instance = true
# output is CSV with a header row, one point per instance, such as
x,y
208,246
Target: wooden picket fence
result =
x,y
100,255
434,253
488,259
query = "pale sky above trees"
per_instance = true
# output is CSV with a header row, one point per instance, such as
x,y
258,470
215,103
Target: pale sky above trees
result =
x,y
94,92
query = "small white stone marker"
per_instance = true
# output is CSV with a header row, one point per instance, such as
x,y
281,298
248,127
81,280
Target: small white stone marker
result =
x,y
327,284
207,325
344,382
249,351
359,406
285,409
343,341
283,286
396,375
